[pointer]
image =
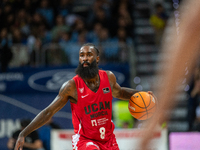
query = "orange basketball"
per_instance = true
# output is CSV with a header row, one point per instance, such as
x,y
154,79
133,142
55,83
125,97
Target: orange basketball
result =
x,y
142,106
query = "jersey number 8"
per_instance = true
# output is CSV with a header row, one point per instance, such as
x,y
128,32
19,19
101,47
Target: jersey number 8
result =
x,y
102,131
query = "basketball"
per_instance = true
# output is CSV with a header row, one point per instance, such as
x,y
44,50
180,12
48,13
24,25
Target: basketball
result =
x,y
142,105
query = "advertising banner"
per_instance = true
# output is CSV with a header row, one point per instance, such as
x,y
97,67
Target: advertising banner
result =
x,y
49,79
127,139
184,141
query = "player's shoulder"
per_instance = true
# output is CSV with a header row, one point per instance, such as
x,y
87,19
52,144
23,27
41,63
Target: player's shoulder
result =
x,y
69,84
110,74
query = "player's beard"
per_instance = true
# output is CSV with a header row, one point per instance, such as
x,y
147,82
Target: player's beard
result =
x,y
87,72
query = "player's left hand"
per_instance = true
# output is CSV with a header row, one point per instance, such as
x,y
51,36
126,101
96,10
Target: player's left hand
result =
x,y
19,143
151,93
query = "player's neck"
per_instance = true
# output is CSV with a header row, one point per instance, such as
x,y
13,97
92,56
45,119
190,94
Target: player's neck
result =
x,y
92,80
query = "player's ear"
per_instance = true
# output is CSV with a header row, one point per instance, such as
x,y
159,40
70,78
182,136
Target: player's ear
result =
x,y
97,60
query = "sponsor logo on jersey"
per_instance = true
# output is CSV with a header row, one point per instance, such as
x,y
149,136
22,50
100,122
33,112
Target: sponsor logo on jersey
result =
x,y
95,115
95,108
83,96
81,89
106,90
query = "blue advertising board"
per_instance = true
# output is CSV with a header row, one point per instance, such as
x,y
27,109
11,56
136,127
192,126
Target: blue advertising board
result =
x,y
24,92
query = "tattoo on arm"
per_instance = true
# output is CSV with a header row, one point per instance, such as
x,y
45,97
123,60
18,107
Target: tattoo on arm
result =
x,y
43,117
65,90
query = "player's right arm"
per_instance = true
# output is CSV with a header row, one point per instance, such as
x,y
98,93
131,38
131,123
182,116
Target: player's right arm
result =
x,y
66,92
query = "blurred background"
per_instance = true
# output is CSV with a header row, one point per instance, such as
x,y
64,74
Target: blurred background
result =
x,y
39,46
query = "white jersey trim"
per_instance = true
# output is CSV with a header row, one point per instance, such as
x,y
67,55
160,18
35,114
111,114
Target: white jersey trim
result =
x,y
91,143
79,128
75,139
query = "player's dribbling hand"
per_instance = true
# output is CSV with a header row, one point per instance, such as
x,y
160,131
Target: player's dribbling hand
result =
x,y
155,98
151,93
19,143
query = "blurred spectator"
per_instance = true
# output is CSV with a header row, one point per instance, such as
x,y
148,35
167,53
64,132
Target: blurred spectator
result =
x,y
39,29
121,14
95,33
122,37
78,27
9,22
45,133
110,49
59,28
5,49
104,36
29,6
71,19
194,98
158,22
31,40
1,16
124,43
6,12
22,21
17,4
65,44
72,48
35,54
56,56
17,37
103,5
36,42
122,23
92,10
20,56
47,12
65,37
32,141
37,20
44,34
65,7
127,4
100,17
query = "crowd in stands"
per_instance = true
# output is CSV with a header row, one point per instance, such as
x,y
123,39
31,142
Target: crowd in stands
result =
x,y
51,32
158,21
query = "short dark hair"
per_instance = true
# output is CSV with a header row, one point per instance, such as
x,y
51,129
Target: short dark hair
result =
x,y
90,44
158,5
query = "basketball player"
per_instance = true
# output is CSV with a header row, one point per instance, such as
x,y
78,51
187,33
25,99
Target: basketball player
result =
x,y
90,94
185,53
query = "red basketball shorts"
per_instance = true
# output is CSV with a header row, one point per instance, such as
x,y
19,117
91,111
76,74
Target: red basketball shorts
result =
x,y
81,143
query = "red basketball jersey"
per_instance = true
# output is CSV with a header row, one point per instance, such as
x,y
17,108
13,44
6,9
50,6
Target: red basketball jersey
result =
x,y
91,116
